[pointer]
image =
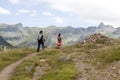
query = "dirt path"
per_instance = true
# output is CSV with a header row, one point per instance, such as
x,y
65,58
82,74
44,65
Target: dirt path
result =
x,y
8,71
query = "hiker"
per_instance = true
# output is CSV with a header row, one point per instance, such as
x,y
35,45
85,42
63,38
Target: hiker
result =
x,y
59,39
40,40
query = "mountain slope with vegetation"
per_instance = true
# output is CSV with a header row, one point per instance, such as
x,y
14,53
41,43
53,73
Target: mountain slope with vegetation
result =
x,y
4,43
97,58
18,35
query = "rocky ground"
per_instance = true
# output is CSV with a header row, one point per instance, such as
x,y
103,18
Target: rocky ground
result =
x,y
89,67
89,72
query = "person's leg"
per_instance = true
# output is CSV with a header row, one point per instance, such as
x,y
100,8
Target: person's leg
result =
x,y
38,48
43,45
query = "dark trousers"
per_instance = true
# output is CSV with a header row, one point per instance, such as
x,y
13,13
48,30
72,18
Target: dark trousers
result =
x,y
39,44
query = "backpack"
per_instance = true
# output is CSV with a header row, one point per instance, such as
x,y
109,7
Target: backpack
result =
x,y
41,38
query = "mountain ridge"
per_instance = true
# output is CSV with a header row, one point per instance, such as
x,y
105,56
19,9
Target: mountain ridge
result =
x,y
18,34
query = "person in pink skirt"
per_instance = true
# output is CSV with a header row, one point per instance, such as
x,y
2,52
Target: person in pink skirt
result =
x,y
59,40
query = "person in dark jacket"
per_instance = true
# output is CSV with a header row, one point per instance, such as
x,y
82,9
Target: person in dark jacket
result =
x,y
40,40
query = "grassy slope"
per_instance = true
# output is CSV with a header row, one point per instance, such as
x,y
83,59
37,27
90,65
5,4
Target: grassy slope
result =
x,y
109,54
59,70
11,56
105,55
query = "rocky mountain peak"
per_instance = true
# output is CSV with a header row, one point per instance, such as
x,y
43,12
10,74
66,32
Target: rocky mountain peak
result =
x,y
101,25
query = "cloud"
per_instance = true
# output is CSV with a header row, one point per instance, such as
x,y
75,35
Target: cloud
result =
x,y
14,1
4,11
26,11
33,13
59,20
47,13
23,11
90,10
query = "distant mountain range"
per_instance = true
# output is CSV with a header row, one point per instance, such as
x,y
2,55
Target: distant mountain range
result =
x,y
18,35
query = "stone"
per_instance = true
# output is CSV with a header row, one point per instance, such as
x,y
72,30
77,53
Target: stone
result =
x,y
114,75
28,68
42,60
64,58
113,68
118,72
99,45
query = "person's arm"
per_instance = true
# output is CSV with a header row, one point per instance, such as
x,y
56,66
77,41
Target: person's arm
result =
x,y
42,37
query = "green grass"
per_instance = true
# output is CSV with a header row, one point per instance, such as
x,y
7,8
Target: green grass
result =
x,y
109,54
21,74
59,70
11,56
65,70
100,57
105,55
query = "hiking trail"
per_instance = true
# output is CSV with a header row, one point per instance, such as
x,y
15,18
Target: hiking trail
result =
x,y
8,71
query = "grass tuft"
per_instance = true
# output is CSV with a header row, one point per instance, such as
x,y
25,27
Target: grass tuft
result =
x,y
11,56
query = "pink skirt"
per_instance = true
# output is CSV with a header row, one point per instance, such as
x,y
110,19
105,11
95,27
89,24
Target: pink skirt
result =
x,y
59,44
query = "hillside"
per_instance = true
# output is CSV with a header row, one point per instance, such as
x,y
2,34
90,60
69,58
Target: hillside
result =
x,y
18,35
13,33
97,58
4,43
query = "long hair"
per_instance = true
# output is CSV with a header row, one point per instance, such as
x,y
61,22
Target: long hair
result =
x,y
59,35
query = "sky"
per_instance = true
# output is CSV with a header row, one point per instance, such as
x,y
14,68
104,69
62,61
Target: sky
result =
x,y
76,13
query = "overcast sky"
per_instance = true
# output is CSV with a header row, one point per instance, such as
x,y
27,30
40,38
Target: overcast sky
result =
x,y
77,13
